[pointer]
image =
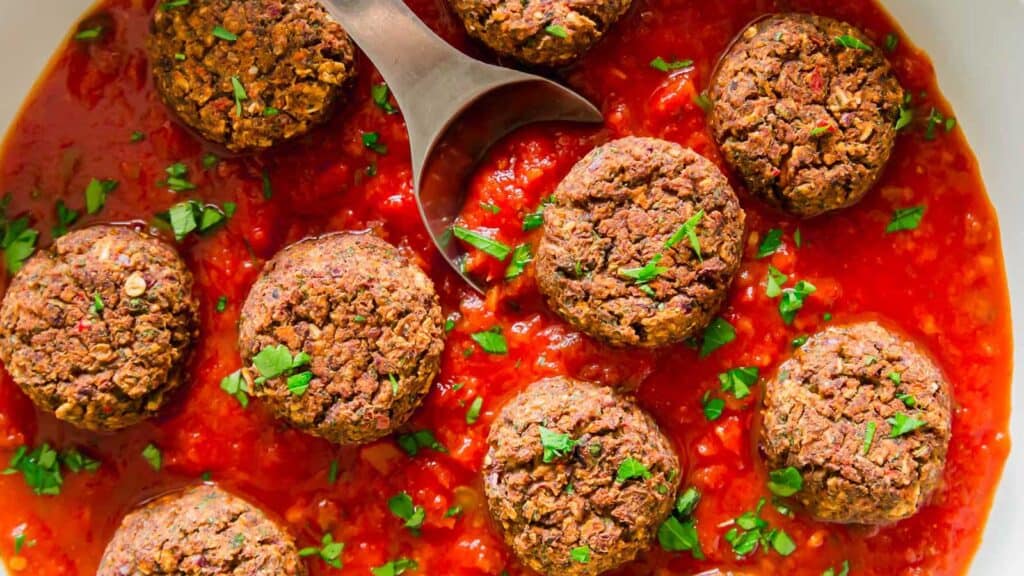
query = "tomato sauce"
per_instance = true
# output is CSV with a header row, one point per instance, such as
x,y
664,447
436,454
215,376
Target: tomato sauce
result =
x,y
942,284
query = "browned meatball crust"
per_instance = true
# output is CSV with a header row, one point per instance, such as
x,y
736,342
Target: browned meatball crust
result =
x,y
540,32
808,122
97,329
622,208
282,75
820,409
370,322
579,498
203,531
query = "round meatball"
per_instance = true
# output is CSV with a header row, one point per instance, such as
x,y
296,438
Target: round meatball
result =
x,y
199,532
805,109
865,418
362,326
575,469
97,329
641,243
540,32
250,74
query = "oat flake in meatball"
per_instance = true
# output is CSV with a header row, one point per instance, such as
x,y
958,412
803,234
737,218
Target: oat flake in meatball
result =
x,y
97,328
556,482
820,410
540,32
369,322
615,260
203,531
805,110
273,70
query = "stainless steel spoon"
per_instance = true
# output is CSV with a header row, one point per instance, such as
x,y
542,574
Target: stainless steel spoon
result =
x,y
455,107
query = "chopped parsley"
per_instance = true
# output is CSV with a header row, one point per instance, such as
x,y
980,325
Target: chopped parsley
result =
x,y
776,280
381,95
332,472
454,511
704,101
172,4
752,531
473,414
96,194
486,245
371,141
152,455
137,136
688,230
903,424
895,377
395,567
713,407
847,41
521,256
905,219
934,121
535,219
240,94
556,31
771,243
65,218
89,34
222,303
191,216
236,386
401,505
276,361
224,34
892,41
268,186
298,384
869,437
632,469
329,551
793,300
906,115
678,533
18,239
785,481
40,467
413,442
555,444
799,341
843,571
718,334
177,178
580,554
492,341
97,305
645,274
490,207
663,65
908,400
210,160
821,130
738,381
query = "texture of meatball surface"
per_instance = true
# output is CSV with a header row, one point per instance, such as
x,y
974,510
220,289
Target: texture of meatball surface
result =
x,y
97,329
250,74
865,417
641,243
203,531
540,32
369,323
805,110
557,477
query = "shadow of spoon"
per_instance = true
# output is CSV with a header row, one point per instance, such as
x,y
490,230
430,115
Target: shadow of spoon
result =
x,y
455,107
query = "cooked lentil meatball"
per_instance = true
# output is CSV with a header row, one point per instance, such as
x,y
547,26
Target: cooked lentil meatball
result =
x,y
203,531
540,32
370,323
273,70
556,477
97,329
818,416
623,208
808,122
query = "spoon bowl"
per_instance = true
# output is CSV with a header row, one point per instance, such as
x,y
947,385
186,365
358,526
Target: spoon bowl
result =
x,y
455,107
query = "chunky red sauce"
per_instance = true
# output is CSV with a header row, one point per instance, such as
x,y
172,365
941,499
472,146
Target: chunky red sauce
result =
x,y
943,284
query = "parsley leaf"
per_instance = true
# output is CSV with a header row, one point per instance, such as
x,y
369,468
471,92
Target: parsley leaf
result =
x,y
793,300
903,424
679,536
401,505
486,245
555,444
713,407
329,551
65,218
412,443
718,334
645,274
96,194
847,41
556,31
771,243
240,94
869,437
380,93
688,230
395,567
663,65
19,240
580,554
738,381
371,141
521,256
473,414
492,341
224,34
235,385
905,219
153,456
785,481
632,469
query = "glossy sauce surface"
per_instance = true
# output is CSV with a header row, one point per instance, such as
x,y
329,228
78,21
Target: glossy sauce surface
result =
x,y
942,285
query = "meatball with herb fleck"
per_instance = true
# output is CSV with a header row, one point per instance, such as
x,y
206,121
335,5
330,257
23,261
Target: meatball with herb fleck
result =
x,y
805,110
344,336
203,531
864,416
249,74
641,243
577,472
540,32
97,329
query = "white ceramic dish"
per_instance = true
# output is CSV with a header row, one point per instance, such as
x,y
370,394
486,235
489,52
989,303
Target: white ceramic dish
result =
x,y
978,49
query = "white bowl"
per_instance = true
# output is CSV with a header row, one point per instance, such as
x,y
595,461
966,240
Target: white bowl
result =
x,y
978,49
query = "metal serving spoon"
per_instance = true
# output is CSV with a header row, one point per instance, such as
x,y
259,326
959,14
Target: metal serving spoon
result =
x,y
455,107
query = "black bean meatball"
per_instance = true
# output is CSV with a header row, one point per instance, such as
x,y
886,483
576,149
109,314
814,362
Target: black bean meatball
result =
x,y
641,243
540,32
200,532
575,470
865,418
250,74
97,329
363,326
805,109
